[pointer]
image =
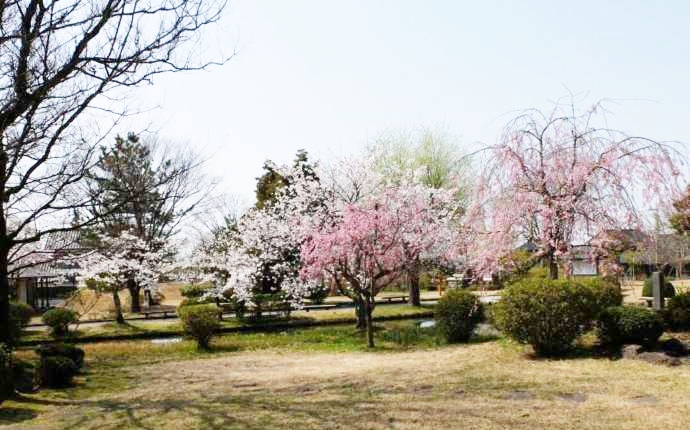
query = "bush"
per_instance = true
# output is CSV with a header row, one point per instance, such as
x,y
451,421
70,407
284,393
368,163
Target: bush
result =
x,y
21,312
20,315
56,371
58,320
456,314
604,294
648,289
619,325
268,302
677,312
200,322
547,314
6,374
24,374
195,291
318,294
72,352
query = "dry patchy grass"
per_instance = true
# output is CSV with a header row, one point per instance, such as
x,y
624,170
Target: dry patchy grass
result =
x,y
284,384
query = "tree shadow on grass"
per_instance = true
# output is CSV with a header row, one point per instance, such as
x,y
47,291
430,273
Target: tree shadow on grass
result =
x,y
212,412
14,415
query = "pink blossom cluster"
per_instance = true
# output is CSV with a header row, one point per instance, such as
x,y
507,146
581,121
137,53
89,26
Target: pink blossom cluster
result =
x,y
557,180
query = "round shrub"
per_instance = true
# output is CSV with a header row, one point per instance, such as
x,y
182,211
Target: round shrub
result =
x,y
20,315
546,314
456,314
56,371
619,325
58,320
677,312
604,293
21,312
195,290
648,289
200,322
6,374
72,352
24,374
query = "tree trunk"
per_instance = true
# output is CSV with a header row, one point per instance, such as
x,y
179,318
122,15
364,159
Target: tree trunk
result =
x,y
361,313
553,265
369,306
5,330
413,278
134,290
118,308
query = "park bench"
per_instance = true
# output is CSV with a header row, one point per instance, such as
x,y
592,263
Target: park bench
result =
x,y
324,306
394,298
160,310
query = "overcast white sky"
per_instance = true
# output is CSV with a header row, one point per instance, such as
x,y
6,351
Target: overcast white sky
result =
x,y
330,75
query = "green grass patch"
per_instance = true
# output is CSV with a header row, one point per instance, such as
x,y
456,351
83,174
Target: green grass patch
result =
x,y
171,327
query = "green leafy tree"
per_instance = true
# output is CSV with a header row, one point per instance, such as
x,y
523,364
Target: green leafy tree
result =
x,y
680,219
267,188
431,158
145,189
64,67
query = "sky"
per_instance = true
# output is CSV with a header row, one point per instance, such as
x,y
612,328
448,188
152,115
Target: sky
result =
x,y
329,76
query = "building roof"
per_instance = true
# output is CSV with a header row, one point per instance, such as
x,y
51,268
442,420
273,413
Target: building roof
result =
x,y
64,241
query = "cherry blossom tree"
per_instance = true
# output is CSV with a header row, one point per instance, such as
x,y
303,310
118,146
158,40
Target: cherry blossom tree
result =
x,y
260,252
373,241
67,71
120,261
561,177
425,157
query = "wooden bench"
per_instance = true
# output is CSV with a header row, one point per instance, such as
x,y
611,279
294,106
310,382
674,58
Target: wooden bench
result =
x,y
160,310
324,306
390,299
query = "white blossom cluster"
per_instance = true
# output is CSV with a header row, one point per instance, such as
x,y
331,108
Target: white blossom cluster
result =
x,y
122,259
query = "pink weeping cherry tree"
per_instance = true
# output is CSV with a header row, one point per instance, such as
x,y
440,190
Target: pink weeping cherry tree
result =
x,y
372,241
561,177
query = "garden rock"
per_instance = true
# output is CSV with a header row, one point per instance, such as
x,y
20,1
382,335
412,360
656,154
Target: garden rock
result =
x,y
631,351
658,358
674,348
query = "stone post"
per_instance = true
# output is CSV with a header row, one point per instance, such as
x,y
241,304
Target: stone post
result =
x,y
658,290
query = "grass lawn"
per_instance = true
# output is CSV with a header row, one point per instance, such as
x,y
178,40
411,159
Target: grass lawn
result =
x,y
172,326
326,378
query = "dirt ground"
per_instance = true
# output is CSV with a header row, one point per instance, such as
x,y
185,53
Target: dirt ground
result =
x,y
478,386
92,306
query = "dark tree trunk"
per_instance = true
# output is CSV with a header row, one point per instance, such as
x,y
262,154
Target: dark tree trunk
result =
x,y
134,291
369,307
118,308
413,279
5,331
550,260
553,268
361,313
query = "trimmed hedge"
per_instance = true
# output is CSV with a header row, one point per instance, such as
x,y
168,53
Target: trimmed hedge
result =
x,y
604,294
195,290
546,314
200,322
72,352
6,373
619,325
457,314
20,315
677,312
56,371
58,320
